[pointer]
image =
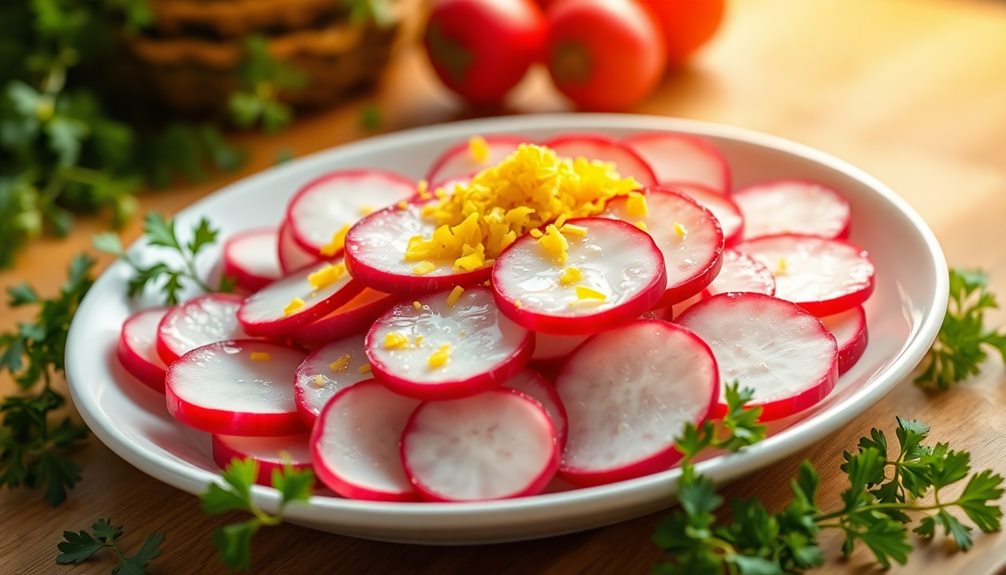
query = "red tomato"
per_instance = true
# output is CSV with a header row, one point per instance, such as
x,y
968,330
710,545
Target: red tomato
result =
x,y
482,48
603,54
686,24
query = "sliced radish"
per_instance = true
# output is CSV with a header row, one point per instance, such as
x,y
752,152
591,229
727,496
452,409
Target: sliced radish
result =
x,y
299,298
849,329
619,275
375,254
328,371
822,276
271,453
494,445
242,387
727,213
354,444
552,347
687,234
204,319
442,348
535,386
251,258
291,256
354,316
137,349
793,207
680,158
769,345
336,200
459,163
603,148
741,272
628,393
680,307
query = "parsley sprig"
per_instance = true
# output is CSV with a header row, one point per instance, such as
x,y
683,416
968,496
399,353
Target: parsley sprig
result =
x,y
961,346
233,541
79,546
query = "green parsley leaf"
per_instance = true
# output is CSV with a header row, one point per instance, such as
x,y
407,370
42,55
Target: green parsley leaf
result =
x,y
80,546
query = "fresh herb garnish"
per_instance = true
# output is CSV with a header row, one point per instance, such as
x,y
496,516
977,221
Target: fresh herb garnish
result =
x,y
79,546
233,541
262,76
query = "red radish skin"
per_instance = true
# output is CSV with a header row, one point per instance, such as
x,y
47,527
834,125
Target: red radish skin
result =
x,y
485,347
793,207
355,316
496,445
683,159
204,319
770,345
375,249
137,349
354,444
291,256
597,147
679,308
326,204
628,392
692,255
316,381
822,276
535,386
220,388
267,313
849,329
271,453
457,163
721,205
251,258
741,272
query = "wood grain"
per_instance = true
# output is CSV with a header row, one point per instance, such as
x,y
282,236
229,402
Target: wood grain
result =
x,y
913,91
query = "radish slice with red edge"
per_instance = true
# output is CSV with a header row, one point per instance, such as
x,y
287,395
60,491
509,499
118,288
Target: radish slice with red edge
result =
x,y
328,371
354,316
681,158
597,147
441,348
241,387
495,445
458,162
354,444
769,345
688,235
291,256
722,206
535,386
298,299
137,349
849,329
793,207
741,272
619,275
549,347
271,453
628,392
251,258
822,276
337,200
375,254
204,319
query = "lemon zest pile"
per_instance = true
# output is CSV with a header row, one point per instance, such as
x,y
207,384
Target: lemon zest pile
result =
x,y
340,364
439,357
554,243
636,205
573,230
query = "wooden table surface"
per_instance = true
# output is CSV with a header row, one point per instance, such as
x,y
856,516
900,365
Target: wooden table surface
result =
x,y
913,91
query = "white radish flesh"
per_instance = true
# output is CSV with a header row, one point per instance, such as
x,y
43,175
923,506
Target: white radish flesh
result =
x,y
291,256
355,316
535,386
851,335
271,453
597,147
137,349
552,347
722,206
251,258
197,322
328,371
459,161
680,158
741,272
793,207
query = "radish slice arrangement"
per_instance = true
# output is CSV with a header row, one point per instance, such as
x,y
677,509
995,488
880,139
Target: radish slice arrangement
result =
x,y
424,307
772,346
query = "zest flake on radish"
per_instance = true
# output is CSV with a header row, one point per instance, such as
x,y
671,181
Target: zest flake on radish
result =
x,y
325,208
291,256
772,346
355,443
354,316
444,346
628,392
741,272
251,258
271,453
328,371
535,386
137,349
822,276
242,387
681,158
849,329
722,206
494,445
793,207
602,148
688,235
205,319
461,161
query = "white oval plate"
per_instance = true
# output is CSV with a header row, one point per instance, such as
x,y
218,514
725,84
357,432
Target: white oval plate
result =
x,y
904,316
